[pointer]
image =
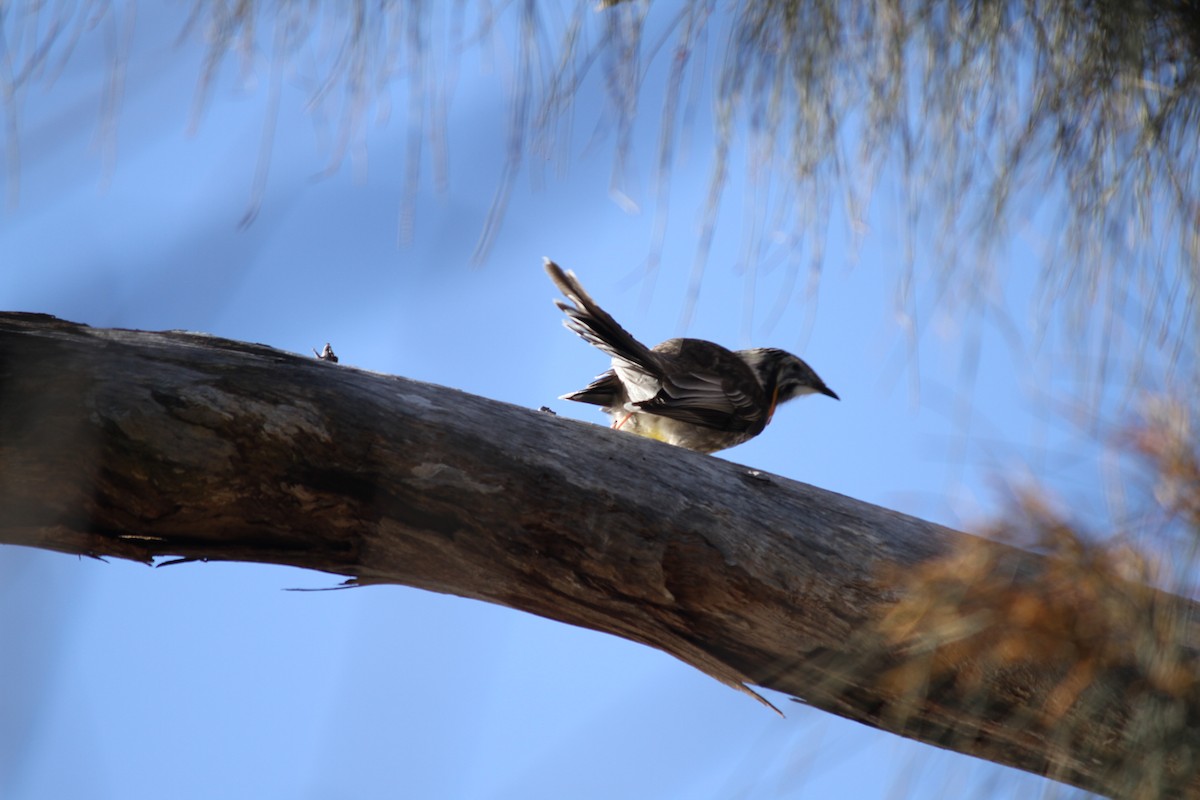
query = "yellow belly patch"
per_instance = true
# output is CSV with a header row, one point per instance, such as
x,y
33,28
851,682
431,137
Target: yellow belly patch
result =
x,y
647,425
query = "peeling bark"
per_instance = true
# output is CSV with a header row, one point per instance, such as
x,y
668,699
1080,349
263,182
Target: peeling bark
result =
x,y
142,445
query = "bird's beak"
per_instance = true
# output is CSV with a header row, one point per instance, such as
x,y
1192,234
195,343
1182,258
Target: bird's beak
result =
x,y
825,390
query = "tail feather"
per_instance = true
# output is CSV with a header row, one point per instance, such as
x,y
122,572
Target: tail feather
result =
x,y
594,324
604,390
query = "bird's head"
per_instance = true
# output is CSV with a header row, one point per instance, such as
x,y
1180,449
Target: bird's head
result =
x,y
783,375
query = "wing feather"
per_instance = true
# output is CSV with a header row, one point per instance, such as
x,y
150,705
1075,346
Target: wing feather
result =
x,y
706,399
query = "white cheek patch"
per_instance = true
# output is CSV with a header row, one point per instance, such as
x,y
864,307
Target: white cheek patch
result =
x,y
798,391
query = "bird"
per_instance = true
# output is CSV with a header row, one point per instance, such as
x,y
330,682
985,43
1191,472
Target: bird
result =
x,y
687,392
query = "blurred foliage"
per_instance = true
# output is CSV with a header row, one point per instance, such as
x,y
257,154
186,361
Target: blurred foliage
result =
x,y
984,123
1068,127
1093,609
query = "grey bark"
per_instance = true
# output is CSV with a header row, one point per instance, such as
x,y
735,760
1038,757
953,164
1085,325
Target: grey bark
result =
x,y
142,445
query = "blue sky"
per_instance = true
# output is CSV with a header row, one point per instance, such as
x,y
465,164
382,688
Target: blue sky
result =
x,y
206,680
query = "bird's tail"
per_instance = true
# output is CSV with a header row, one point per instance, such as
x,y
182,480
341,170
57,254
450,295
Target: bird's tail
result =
x,y
595,325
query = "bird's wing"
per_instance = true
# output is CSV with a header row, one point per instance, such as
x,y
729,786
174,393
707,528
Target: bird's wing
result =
x,y
705,398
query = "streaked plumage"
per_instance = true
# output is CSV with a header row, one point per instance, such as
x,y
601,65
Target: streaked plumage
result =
x,y
687,392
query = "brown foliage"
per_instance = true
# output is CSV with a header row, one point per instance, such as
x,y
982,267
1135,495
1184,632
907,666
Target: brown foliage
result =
x,y
1090,609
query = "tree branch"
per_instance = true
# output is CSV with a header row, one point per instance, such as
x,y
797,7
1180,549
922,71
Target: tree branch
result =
x,y
140,445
